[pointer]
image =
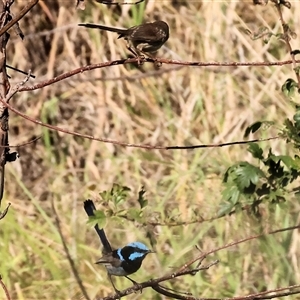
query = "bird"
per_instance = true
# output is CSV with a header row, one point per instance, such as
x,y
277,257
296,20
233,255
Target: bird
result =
x,y
122,261
141,39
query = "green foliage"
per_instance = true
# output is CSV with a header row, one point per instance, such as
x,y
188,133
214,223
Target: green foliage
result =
x,y
116,195
289,88
116,199
248,186
291,131
99,218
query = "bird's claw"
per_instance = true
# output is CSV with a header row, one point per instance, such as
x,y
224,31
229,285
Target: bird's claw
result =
x,y
140,60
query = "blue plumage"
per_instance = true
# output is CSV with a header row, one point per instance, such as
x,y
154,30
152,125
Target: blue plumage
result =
x,y
122,261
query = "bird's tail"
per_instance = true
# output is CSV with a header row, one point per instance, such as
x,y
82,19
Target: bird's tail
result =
x,y
113,29
89,208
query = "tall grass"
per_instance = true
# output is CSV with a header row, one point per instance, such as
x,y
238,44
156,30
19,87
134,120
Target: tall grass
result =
x,y
184,106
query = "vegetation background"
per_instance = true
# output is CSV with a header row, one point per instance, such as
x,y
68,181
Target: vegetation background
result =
x,y
171,106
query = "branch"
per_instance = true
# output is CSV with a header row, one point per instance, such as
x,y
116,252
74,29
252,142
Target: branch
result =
x,y
236,243
4,289
3,214
154,283
287,34
20,15
68,255
149,60
110,2
4,88
141,146
186,270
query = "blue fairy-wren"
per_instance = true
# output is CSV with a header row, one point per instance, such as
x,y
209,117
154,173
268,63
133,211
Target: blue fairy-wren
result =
x,y
122,261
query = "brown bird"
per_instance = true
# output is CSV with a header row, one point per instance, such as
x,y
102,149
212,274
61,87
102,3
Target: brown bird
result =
x,y
141,39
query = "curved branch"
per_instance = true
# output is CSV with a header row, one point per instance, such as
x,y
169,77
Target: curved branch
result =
x,y
141,146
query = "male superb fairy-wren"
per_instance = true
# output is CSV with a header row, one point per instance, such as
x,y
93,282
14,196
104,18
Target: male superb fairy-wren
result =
x,y
122,261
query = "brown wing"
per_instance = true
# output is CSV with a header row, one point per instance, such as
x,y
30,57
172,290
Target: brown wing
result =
x,y
150,32
110,258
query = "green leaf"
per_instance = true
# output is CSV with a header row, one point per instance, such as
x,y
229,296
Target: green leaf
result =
x,y
134,214
252,128
225,209
255,150
247,173
296,118
287,160
290,87
99,218
231,194
117,194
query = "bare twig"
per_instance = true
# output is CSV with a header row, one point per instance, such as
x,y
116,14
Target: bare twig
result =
x,y
20,15
3,214
4,289
142,146
20,71
111,2
68,255
287,33
22,144
154,283
17,87
261,295
150,60
236,243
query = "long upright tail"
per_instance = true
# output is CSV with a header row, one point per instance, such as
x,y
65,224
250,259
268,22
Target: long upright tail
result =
x,y
113,29
89,208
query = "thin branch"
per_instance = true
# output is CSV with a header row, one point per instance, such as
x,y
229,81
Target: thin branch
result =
x,y
68,255
3,214
20,15
154,283
4,289
236,243
286,36
20,71
133,77
17,87
23,144
142,146
261,295
150,60
221,144
110,2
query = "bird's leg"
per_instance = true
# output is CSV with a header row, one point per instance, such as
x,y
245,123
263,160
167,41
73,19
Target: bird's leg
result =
x,y
157,64
135,52
135,283
112,283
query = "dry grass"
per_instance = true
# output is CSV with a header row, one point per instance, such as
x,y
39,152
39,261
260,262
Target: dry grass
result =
x,y
185,106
